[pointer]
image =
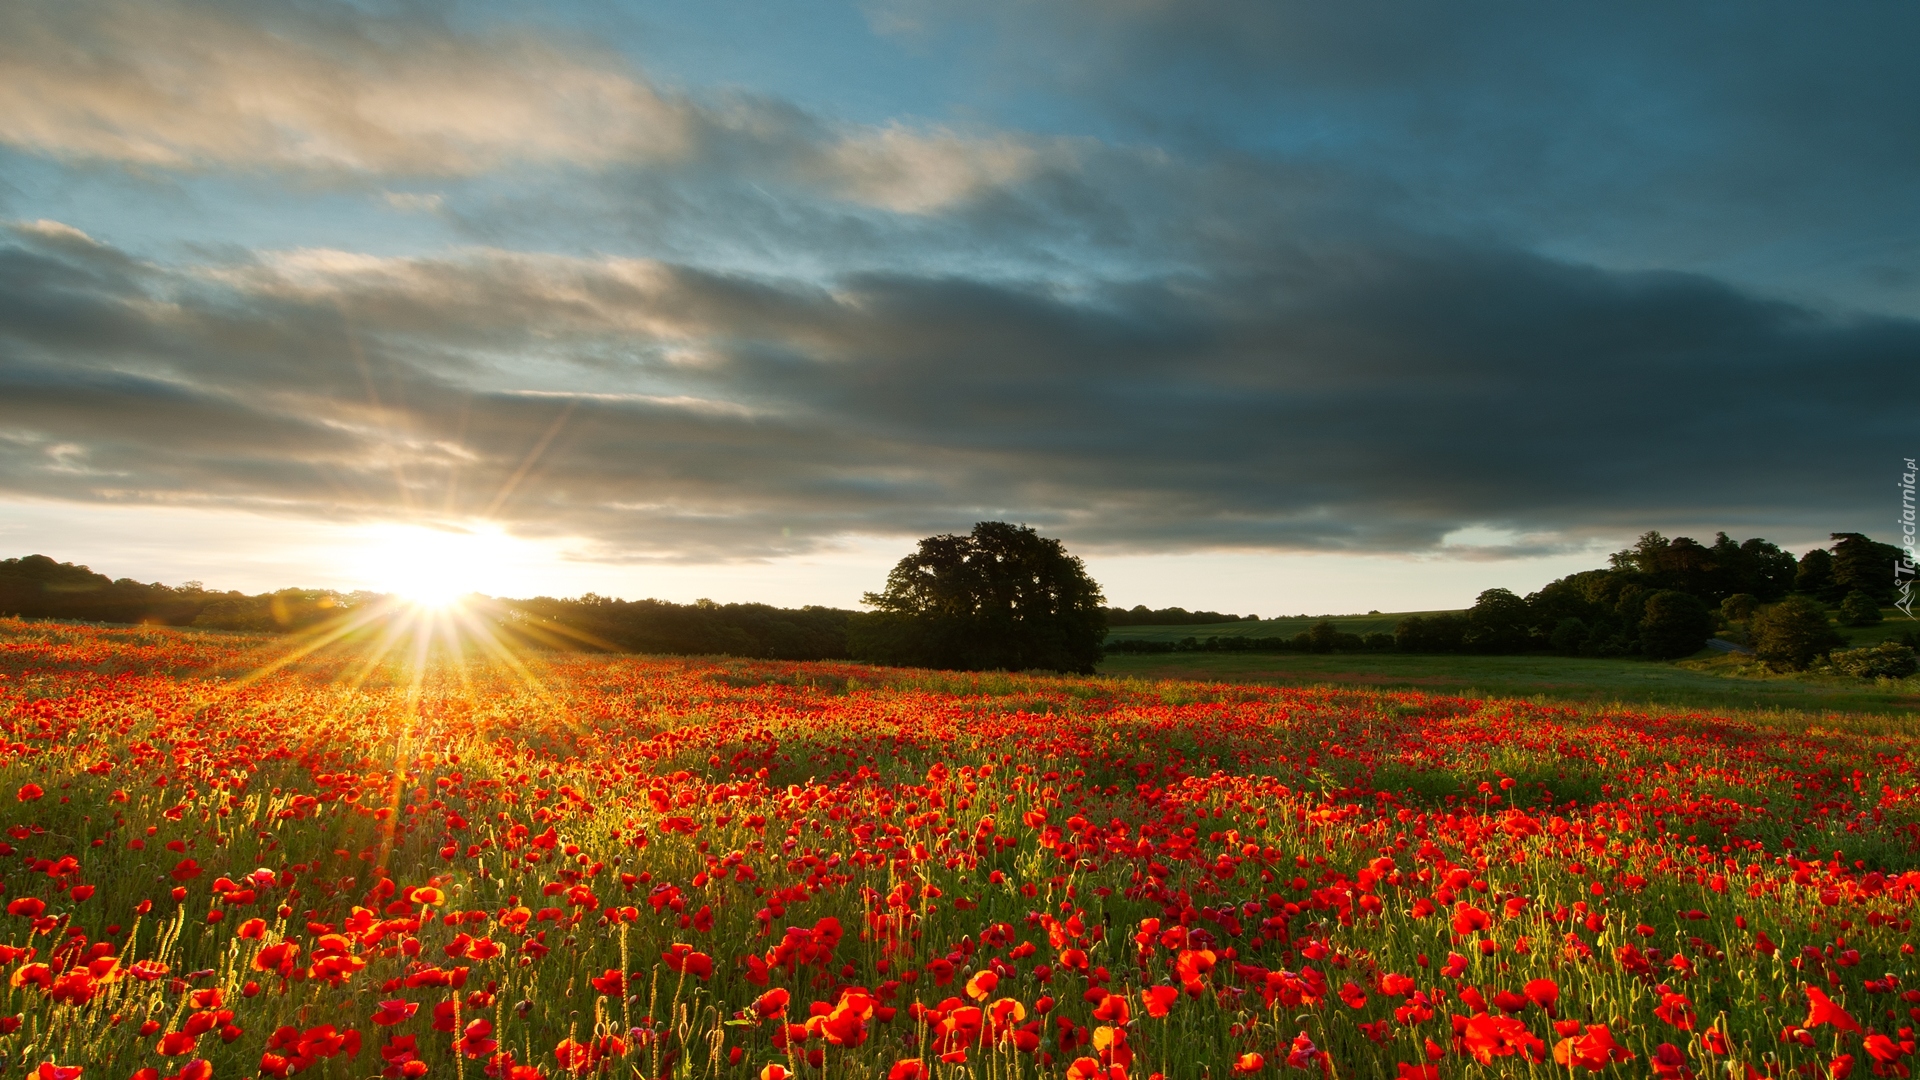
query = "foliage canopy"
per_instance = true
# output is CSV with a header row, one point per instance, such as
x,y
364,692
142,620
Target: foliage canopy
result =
x,y
1002,597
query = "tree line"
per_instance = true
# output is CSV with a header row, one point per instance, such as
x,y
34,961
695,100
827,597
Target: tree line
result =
x,y
1324,636
1664,598
1142,615
1004,597
38,587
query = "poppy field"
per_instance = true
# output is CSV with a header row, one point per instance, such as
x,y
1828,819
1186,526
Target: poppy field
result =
x,y
223,858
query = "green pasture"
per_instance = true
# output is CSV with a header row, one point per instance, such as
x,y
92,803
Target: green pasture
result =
x,y
1703,682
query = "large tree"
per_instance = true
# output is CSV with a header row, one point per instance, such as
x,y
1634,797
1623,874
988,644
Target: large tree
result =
x,y
1864,565
1674,624
1003,597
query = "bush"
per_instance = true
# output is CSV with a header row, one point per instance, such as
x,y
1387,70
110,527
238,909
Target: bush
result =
x,y
1674,624
1887,660
1859,609
1739,607
1792,633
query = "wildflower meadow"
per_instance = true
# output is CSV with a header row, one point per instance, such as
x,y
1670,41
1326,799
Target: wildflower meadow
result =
x,y
233,856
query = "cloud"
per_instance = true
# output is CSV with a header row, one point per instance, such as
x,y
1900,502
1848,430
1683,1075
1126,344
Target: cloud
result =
x,y
182,84
1745,141
332,91
913,172
1360,399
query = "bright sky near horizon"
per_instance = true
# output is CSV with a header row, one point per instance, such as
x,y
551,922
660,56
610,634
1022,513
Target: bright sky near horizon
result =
x,y
1266,307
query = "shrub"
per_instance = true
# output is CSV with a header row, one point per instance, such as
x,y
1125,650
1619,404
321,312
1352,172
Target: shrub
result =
x,y
1887,660
1792,633
1739,607
1859,609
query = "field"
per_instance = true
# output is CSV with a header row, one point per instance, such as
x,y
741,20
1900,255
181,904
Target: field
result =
x,y
227,859
1719,683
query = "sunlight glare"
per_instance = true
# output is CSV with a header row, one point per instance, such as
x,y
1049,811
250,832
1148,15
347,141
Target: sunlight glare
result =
x,y
435,567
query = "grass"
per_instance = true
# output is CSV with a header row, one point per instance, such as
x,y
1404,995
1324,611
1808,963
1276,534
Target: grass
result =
x,y
1692,684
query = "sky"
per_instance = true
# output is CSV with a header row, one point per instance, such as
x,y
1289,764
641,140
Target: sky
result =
x,y
1264,307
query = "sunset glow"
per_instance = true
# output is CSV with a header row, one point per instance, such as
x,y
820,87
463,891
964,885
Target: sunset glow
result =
x,y
435,568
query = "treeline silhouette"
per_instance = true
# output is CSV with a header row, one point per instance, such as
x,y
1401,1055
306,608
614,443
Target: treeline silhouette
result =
x,y
1663,598
1322,637
1142,615
659,626
38,587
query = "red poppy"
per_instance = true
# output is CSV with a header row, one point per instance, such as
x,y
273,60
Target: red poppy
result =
x,y
1822,1009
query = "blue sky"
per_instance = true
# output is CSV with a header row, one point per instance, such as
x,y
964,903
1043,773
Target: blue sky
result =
x,y
1260,306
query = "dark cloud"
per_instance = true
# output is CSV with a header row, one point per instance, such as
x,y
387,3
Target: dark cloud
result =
x,y
1362,399
1767,141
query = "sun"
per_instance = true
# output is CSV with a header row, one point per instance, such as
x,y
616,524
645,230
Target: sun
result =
x,y
434,567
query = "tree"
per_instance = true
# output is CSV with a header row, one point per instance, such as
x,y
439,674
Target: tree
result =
x,y
1002,598
1323,636
1674,624
1792,633
1814,577
1442,633
1567,635
1863,565
1773,569
1498,623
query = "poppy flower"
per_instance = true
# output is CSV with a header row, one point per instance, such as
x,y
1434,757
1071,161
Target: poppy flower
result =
x,y
1822,1009
1159,1000
772,1003
1594,1049
394,1012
